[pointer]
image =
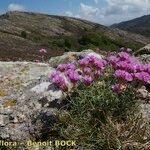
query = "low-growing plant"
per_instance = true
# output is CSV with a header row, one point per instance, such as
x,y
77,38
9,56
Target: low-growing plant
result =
x,y
103,101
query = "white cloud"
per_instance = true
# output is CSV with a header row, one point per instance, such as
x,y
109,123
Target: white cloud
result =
x,y
130,6
16,7
113,11
69,13
88,10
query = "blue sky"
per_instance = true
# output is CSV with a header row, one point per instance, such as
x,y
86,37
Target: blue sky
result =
x,y
101,11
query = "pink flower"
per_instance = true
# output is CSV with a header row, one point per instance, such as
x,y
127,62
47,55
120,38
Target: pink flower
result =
x,y
143,77
91,58
148,68
123,75
113,60
123,65
141,67
87,70
84,62
43,50
59,80
61,67
87,79
98,64
65,67
123,56
116,88
70,66
72,75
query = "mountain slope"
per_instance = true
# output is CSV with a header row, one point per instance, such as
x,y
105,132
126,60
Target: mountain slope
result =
x,y
23,33
139,25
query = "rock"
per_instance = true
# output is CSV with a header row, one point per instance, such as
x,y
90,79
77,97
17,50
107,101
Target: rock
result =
x,y
71,57
143,50
145,58
143,93
143,54
145,109
3,120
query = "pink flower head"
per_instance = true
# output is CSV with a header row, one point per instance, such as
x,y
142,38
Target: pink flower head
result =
x,y
123,65
113,60
43,50
87,79
61,67
141,67
91,58
148,68
70,66
98,64
59,80
87,70
116,88
123,75
104,62
131,60
72,75
143,77
123,56
84,62
131,67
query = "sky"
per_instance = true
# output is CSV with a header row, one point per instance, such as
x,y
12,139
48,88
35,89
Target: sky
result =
x,y
105,12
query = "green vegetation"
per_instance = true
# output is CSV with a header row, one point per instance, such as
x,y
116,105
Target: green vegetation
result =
x,y
102,119
24,34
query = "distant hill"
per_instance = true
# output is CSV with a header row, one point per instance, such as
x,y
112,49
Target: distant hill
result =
x,y
23,33
139,25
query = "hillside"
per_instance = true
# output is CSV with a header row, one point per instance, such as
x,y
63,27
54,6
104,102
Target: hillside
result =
x,y
139,25
23,33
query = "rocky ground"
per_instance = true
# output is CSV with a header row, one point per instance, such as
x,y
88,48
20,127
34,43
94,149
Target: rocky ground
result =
x,y
29,101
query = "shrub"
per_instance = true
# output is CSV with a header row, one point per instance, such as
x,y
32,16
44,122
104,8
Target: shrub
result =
x,y
90,38
59,43
24,34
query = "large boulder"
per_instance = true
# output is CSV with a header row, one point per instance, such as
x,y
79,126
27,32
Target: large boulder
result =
x,y
72,57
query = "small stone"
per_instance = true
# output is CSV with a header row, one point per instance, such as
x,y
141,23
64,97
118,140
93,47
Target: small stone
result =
x,y
3,120
143,93
7,111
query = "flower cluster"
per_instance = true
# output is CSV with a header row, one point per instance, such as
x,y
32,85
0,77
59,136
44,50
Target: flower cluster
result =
x,y
127,68
59,80
85,70
43,50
